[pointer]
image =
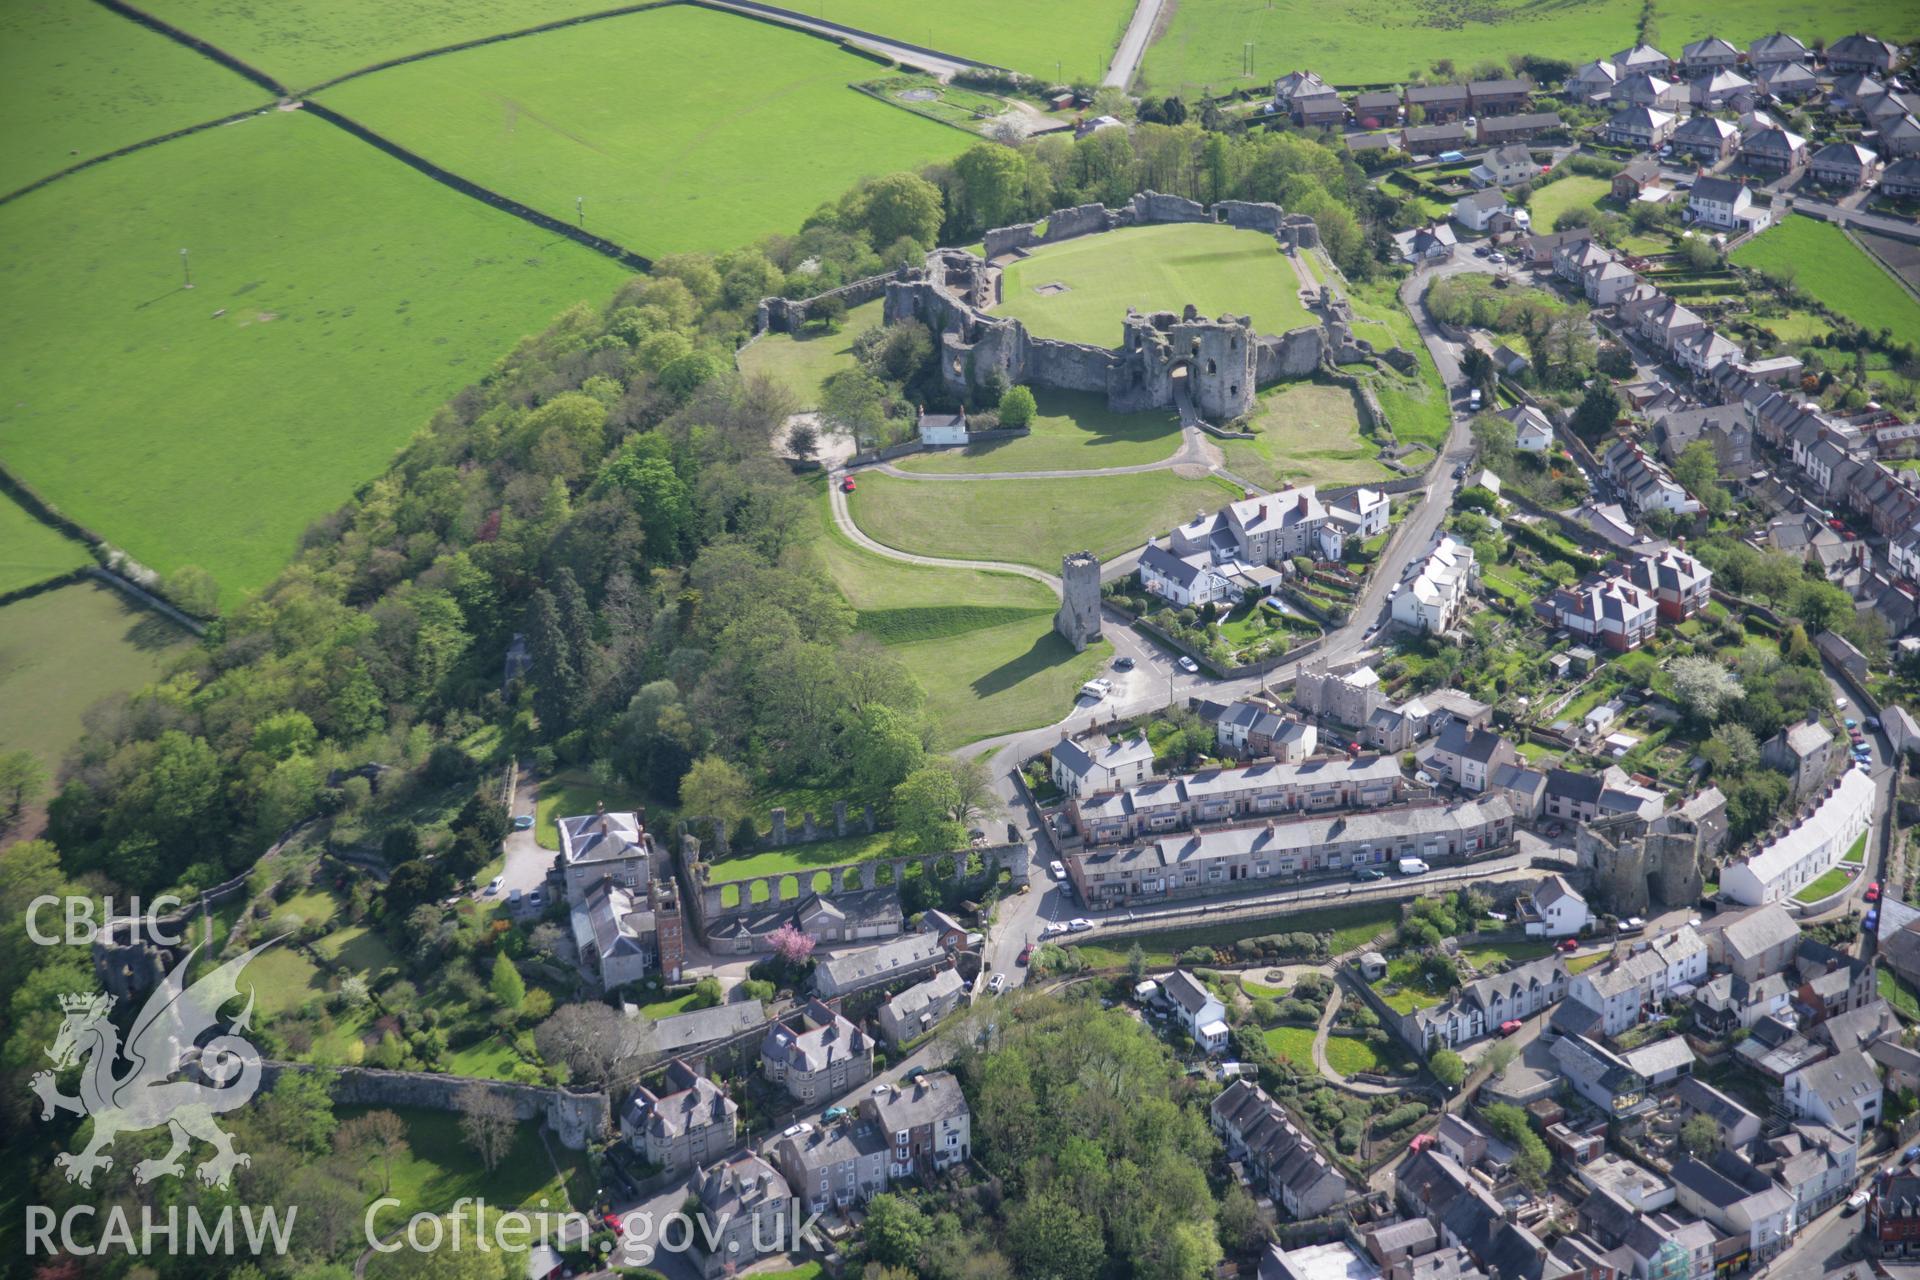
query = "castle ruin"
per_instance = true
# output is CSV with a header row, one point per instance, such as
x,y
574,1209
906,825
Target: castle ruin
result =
x,y
1079,616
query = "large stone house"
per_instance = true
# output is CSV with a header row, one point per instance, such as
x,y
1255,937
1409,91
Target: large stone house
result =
x,y
1804,752
1610,610
1120,762
742,1200
1680,585
1467,756
1554,910
833,1166
917,1010
604,846
815,1053
693,1123
925,1123
1266,530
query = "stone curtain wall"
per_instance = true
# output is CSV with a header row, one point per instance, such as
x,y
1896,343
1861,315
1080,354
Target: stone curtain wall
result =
x,y
786,315
576,1118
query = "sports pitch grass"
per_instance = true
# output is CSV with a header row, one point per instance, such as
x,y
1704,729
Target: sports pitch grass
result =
x,y
981,644
1029,521
32,552
1835,271
804,361
211,426
682,128
66,649
1073,431
1308,431
82,81
1220,270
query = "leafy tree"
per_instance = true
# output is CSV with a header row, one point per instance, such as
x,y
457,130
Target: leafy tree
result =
x,y
853,401
1700,1136
923,808
1598,410
1016,407
1698,471
507,985
1703,687
1050,1238
22,778
900,205
715,789
1447,1068
382,1133
886,747
791,944
895,1230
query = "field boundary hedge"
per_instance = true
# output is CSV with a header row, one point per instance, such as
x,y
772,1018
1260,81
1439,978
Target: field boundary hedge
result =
x,y
467,187
129,149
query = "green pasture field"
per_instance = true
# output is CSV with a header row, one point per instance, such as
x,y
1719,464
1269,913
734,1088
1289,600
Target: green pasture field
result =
x,y
1835,271
1418,411
981,644
682,128
1383,42
1220,270
315,341
803,361
32,552
1574,191
66,649
1058,41
1073,431
1032,522
1308,431
1683,21
82,81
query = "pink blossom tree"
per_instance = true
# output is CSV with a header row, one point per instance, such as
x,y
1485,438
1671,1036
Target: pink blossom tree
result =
x,y
790,944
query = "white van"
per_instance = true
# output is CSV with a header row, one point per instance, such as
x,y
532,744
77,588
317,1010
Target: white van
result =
x,y
1094,689
1413,867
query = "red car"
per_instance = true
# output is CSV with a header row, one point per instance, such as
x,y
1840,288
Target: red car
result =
x,y
1873,891
1510,1026
1421,1141
1026,954
1569,944
846,484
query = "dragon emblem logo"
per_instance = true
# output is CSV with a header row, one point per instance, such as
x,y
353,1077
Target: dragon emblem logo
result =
x,y
144,1095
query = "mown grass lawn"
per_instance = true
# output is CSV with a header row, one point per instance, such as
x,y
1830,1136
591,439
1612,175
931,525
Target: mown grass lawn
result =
x,y
572,792
1797,326
282,979
1580,964
1308,431
82,81
315,341
1856,852
683,128
1824,886
1348,1054
1480,955
1575,191
1073,430
1835,270
1412,994
1388,41
1295,1044
1220,270
1899,993
440,1168
803,361
32,552
1032,522
64,650
981,644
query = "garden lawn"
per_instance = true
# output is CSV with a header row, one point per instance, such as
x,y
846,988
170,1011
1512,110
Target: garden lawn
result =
x,y
1836,271
683,128
441,1168
1032,522
981,644
1350,926
1072,431
358,948
802,362
1412,993
282,979
1857,852
1575,191
1797,326
83,81
1348,1054
572,792
1294,1044
31,551
1220,270
1899,993
314,343
1825,886
1580,964
1307,431
64,650
1390,40
1480,955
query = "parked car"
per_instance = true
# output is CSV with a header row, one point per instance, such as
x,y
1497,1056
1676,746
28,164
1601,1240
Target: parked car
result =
x,y
1365,874
1873,724
1553,829
1079,924
846,484
1510,1026
1413,867
1873,891
1633,924
1422,777
1057,869
1857,1201
915,1074
1026,954
1851,723
1188,665
536,899
1123,663
493,885
998,984
834,1113
1567,944
522,821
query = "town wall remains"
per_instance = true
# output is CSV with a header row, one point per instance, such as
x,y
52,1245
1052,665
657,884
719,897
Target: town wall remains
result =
x,y
576,1118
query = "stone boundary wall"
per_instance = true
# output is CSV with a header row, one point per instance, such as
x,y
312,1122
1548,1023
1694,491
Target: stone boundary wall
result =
x,y
576,1118
908,447
1152,208
785,315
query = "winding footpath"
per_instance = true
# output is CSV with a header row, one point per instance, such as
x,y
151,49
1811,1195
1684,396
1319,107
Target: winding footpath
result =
x,y
1320,1051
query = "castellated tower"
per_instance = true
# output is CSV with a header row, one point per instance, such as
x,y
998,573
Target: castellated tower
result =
x,y
1079,616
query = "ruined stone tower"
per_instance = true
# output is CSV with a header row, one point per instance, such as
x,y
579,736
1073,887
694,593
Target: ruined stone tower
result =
x,y
1079,616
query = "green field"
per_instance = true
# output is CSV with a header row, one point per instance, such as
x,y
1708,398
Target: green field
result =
x,y
62,651
1220,270
682,128
1029,521
441,1168
1836,271
32,552
1074,430
1684,21
803,361
1575,191
1383,42
303,42
83,81
981,644
1308,431
315,341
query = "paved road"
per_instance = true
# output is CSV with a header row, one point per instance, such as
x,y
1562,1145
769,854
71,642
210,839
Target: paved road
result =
x,y
1133,45
945,66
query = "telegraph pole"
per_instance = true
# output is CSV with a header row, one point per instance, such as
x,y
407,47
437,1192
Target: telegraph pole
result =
x,y
580,211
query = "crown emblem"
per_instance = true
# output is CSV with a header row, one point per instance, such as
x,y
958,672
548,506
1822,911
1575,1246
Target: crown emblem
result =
x,y
85,1002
